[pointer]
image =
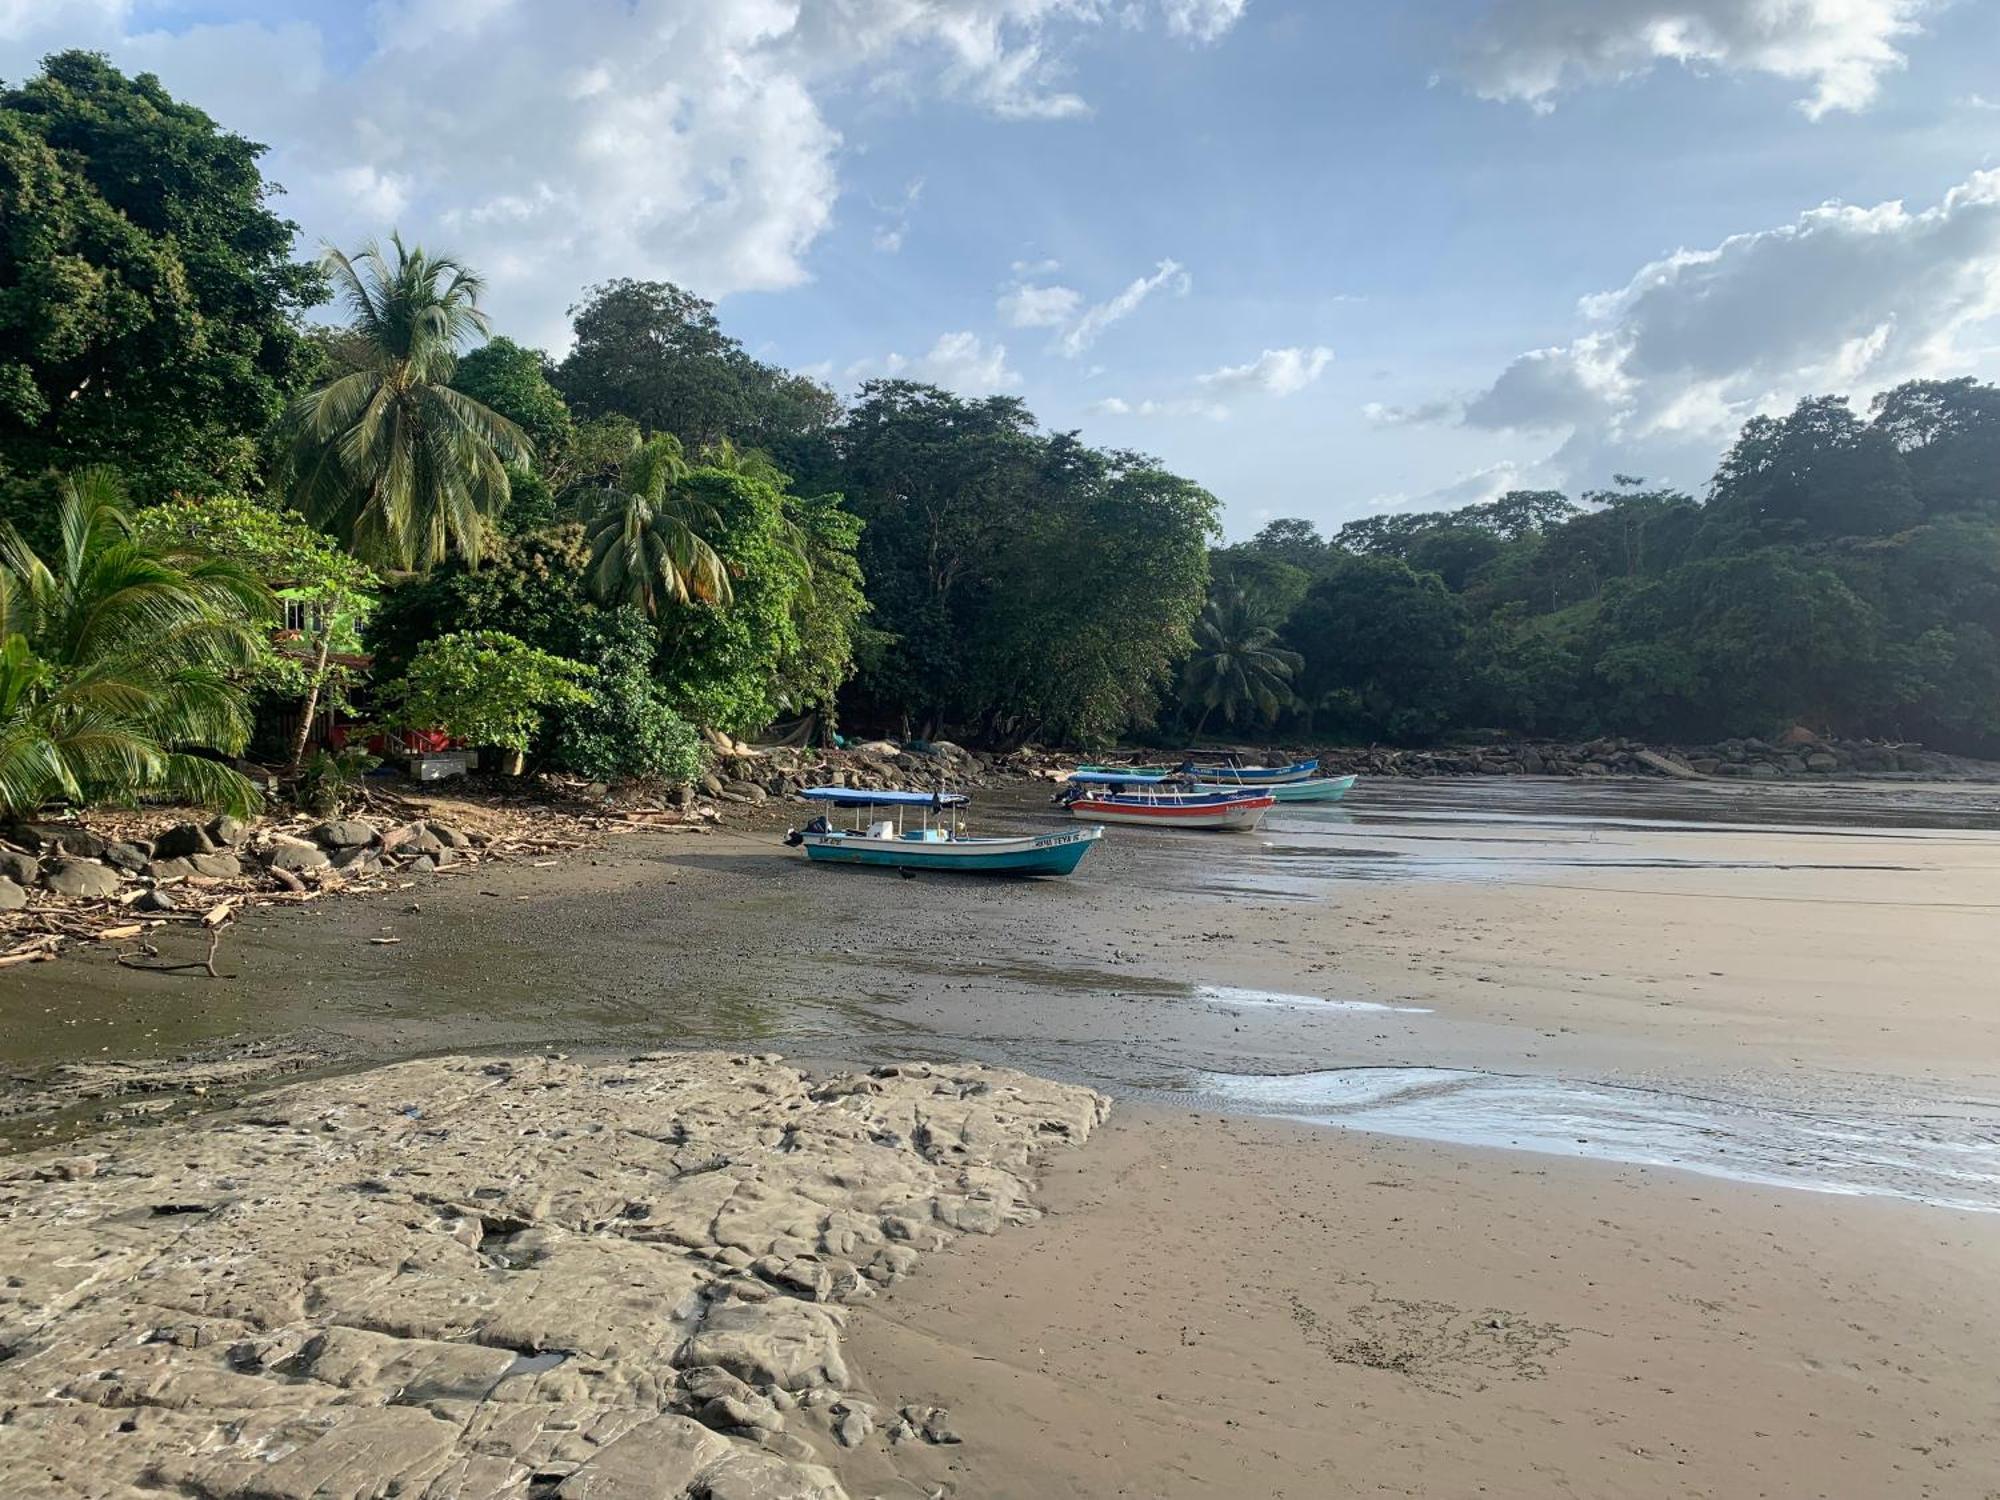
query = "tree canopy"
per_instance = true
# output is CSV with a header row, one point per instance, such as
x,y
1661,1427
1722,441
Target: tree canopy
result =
x,y
149,303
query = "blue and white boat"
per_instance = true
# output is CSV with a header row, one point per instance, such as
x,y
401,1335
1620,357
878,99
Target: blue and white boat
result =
x,y
936,844
1228,773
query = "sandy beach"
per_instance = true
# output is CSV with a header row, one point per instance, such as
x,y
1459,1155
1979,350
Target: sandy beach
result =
x,y
1657,1145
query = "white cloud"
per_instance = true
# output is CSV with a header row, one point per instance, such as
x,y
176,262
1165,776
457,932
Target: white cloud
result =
x,y
1038,306
960,362
1203,20
1534,50
1091,326
1190,406
677,139
894,227
1843,299
1480,487
1275,372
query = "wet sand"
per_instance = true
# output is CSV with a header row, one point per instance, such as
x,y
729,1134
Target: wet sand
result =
x,y
1660,989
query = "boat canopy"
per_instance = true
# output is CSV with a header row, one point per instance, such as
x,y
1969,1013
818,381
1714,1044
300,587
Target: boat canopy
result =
x,y
862,796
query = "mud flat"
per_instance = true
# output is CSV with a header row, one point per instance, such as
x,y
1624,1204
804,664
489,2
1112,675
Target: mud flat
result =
x,y
470,1279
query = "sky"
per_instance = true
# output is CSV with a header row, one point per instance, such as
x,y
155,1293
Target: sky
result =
x,y
1329,258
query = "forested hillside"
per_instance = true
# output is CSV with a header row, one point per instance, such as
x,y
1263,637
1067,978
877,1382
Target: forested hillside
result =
x,y
1842,571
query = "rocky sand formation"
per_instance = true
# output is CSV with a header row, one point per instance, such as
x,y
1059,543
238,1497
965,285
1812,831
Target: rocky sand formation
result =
x,y
471,1279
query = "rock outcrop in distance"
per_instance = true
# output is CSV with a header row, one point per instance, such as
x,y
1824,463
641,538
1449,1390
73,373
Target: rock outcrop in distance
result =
x,y
473,1279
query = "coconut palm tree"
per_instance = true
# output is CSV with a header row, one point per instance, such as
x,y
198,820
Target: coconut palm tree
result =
x,y
646,536
387,455
1238,664
116,662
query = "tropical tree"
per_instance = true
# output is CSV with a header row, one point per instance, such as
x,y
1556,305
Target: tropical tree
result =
x,y
118,662
647,537
387,455
1238,665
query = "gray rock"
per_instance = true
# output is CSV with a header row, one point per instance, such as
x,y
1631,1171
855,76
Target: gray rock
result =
x,y
228,832
169,869
217,866
156,899
22,869
851,1426
358,860
411,838
423,864
180,841
744,791
12,897
127,857
298,858
59,838
81,879
344,833
1822,760
449,837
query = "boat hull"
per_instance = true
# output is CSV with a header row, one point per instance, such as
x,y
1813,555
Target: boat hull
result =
x,y
1040,854
1265,776
1319,789
1240,815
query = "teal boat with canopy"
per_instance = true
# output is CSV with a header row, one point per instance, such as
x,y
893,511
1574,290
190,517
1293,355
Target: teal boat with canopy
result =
x,y
936,844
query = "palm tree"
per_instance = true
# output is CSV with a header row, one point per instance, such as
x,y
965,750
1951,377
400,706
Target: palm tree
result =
x,y
646,539
387,455
116,662
1237,663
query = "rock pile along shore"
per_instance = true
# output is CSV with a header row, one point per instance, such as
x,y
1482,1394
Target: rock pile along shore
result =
x,y
473,1279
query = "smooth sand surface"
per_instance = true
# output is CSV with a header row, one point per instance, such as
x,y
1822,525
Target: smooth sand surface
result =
x,y
1220,1307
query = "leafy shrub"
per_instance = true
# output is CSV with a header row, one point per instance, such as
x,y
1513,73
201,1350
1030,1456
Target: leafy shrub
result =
x,y
485,687
627,729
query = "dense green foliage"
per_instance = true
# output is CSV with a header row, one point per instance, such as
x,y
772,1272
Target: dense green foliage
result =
x,y
119,662
648,535
1029,586
148,301
484,687
1843,572
386,454
326,591
628,728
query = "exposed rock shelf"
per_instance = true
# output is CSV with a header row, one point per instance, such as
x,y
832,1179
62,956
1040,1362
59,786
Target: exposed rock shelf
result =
x,y
470,1279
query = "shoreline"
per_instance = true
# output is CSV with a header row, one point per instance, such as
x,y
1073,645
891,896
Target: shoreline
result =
x,y
1361,1306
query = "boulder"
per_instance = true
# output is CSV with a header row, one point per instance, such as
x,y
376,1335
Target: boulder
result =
x,y
156,899
411,838
217,866
1822,760
297,858
22,869
356,860
344,833
58,838
745,791
168,869
181,840
12,897
81,879
127,857
228,832
449,837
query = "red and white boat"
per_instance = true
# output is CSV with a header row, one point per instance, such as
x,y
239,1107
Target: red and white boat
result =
x,y
1230,810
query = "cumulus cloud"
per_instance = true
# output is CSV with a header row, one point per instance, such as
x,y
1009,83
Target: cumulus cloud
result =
x,y
1087,329
1534,50
1027,306
681,139
1842,299
1480,487
1275,372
